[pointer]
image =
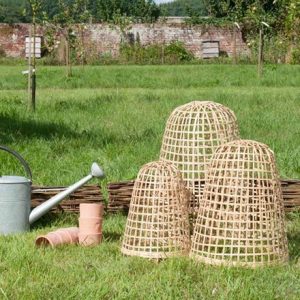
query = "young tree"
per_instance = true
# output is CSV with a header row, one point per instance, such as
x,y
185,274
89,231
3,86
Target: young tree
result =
x,y
34,10
292,29
69,14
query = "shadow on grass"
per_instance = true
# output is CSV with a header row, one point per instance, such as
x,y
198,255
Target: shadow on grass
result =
x,y
111,236
55,219
12,127
63,220
293,222
294,245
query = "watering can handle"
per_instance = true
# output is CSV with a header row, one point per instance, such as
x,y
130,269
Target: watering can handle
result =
x,y
20,158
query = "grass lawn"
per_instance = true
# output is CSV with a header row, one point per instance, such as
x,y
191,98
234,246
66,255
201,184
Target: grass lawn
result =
x,y
116,116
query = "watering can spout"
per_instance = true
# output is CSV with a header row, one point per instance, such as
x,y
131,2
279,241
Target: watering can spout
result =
x,y
96,171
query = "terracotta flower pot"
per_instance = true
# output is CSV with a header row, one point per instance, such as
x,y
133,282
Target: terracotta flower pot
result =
x,y
51,239
89,239
90,225
72,232
58,237
91,210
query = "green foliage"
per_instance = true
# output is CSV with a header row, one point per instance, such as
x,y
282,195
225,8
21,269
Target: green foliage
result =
x,y
292,28
283,16
240,8
123,23
139,10
173,53
71,12
2,53
280,14
69,15
248,12
12,11
35,7
144,11
178,51
295,56
275,48
183,8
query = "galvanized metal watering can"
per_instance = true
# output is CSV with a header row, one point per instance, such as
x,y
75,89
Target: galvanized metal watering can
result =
x,y
15,198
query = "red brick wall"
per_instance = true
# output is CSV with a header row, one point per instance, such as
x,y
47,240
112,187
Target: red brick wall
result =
x,y
103,39
12,39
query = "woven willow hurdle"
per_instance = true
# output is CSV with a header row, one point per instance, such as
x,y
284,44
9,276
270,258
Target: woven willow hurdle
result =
x,y
241,217
157,224
193,132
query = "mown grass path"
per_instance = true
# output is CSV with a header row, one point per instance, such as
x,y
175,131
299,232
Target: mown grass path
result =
x,y
116,116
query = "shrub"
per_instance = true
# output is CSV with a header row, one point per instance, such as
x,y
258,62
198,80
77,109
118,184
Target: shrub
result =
x,y
295,56
178,52
2,53
50,59
173,53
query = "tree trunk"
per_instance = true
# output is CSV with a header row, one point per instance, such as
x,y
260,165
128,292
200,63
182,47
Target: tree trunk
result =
x,y
68,59
234,47
260,52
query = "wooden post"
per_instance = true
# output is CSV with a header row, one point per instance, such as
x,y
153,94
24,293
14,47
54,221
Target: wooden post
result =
x,y
163,53
162,48
33,77
68,59
260,51
82,47
29,69
234,46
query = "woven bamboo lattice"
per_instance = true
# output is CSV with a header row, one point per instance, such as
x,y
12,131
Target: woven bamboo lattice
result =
x,y
241,217
119,196
291,194
157,224
193,132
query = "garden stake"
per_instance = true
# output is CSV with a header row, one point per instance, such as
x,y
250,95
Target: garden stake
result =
x,y
261,48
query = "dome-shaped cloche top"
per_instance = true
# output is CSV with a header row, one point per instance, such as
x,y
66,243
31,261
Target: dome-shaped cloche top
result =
x,y
193,132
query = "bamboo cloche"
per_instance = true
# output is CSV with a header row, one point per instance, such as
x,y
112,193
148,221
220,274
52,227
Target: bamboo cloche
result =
x,y
241,218
157,224
193,132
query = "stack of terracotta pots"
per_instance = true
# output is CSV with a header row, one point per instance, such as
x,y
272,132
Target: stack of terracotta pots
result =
x,y
90,224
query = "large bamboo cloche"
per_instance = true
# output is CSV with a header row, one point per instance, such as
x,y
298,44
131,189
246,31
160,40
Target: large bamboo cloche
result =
x,y
193,132
241,216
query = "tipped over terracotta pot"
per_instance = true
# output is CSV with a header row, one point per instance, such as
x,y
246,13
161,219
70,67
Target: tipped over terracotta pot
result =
x,y
59,237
